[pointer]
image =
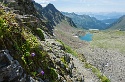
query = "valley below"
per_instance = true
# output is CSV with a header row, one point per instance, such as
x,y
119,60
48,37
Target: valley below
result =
x,y
105,51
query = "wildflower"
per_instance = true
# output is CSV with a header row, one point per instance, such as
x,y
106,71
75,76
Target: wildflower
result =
x,y
42,72
33,54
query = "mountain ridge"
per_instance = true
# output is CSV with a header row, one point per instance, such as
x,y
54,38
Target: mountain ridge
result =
x,y
86,22
53,15
119,24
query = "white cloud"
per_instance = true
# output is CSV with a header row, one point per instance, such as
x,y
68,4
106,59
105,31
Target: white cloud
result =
x,y
43,1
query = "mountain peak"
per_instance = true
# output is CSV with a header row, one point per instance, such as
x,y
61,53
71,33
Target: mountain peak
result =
x,y
51,6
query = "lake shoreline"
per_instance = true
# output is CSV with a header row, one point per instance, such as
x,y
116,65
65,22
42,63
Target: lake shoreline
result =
x,y
87,37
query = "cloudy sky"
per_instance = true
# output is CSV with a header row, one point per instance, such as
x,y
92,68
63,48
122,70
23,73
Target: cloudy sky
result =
x,y
87,5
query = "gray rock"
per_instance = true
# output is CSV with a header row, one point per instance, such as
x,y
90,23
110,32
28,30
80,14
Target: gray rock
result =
x,y
67,58
39,80
71,65
58,61
10,69
46,80
62,65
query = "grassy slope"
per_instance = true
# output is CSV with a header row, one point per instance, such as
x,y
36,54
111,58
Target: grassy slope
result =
x,y
114,40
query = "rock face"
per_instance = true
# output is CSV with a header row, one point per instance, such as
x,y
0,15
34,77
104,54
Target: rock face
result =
x,y
27,14
21,6
11,70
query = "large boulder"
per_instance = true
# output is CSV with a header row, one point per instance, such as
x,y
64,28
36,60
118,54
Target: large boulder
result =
x,y
11,71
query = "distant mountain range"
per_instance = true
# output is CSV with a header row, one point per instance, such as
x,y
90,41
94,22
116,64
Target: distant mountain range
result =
x,y
103,15
86,22
106,17
119,24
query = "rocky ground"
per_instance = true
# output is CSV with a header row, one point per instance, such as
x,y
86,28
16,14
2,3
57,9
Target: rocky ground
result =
x,y
106,52
111,63
78,71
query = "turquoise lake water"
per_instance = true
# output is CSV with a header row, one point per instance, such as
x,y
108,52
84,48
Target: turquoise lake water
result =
x,y
87,37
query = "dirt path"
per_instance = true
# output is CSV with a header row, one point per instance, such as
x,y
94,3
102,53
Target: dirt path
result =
x,y
87,73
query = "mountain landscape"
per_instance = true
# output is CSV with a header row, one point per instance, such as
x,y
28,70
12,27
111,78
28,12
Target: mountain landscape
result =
x,y
107,18
52,15
42,44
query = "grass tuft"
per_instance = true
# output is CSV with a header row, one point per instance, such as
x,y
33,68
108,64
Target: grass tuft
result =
x,y
68,49
97,72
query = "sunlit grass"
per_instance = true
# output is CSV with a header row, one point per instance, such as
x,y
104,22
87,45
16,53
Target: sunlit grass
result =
x,y
68,49
97,72
109,40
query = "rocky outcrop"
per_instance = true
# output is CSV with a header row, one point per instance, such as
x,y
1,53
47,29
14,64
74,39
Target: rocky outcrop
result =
x,y
21,6
27,15
11,70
